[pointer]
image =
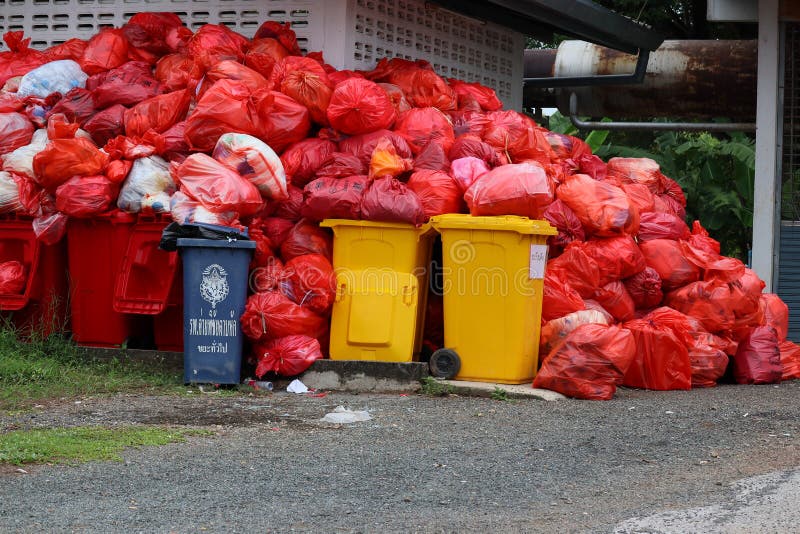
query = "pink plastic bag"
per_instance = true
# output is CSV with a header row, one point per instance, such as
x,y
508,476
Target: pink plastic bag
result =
x,y
466,170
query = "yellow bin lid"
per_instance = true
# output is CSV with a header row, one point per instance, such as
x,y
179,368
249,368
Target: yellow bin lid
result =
x,y
333,223
506,223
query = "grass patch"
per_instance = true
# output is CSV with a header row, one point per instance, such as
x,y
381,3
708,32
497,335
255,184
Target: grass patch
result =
x,y
435,388
54,367
83,444
499,394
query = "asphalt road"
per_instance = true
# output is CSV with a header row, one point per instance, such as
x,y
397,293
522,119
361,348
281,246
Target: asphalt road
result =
x,y
644,462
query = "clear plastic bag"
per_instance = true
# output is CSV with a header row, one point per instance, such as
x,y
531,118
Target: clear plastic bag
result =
x,y
148,177
54,77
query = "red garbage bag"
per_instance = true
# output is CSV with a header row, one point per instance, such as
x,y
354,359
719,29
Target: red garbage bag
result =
x,y
618,257
283,121
466,170
128,85
589,363
603,209
359,106
645,289
616,300
19,59
553,332
302,159
12,278
397,96
217,187
268,276
438,192
484,96
77,105
386,162
272,315
566,222
106,50
751,283
286,356
283,33
59,127
106,124
517,135
50,229
790,360
158,113
306,81
290,208
307,238
255,161
420,126
432,158
313,282
710,302
275,228
637,170
516,189
228,106
661,226
213,43
263,54
639,195
558,298
424,88
469,145
578,269
389,200
708,365
566,146
334,198
178,71
232,70
264,253
776,314
64,158
362,146
666,257
85,196
340,165
592,166
758,358
70,49
15,131
661,361
149,31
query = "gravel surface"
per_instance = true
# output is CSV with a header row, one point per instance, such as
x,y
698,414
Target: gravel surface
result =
x,y
450,464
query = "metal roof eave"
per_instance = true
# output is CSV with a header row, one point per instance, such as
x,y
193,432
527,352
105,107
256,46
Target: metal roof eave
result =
x,y
582,19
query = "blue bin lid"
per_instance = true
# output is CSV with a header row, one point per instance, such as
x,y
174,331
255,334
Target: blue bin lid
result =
x,y
185,242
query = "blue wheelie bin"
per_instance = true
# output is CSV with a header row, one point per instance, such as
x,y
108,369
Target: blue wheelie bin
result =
x,y
215,274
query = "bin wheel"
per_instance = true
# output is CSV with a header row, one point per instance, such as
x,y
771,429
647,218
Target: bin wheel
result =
x,y
445,363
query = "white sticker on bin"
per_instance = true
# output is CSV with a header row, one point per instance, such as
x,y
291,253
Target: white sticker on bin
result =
x,y
538,262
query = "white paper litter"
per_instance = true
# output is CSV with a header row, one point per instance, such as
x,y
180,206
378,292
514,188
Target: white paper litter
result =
x,y
297,387
342,415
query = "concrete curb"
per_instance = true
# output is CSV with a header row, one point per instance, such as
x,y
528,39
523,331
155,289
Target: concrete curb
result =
x,y
512,391
365,376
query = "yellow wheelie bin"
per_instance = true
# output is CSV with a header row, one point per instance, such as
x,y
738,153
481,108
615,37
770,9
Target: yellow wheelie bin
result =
x,y
381,289
493,277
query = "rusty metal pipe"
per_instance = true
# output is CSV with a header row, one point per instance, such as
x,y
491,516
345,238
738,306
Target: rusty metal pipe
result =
x,y
655,126
687,79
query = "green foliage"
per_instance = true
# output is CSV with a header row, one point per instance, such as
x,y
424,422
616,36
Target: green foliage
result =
x,y
435,388
499,394
82,444
55,367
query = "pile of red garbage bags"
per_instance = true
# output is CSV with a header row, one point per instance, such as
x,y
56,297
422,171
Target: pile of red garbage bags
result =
x,y
213,127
